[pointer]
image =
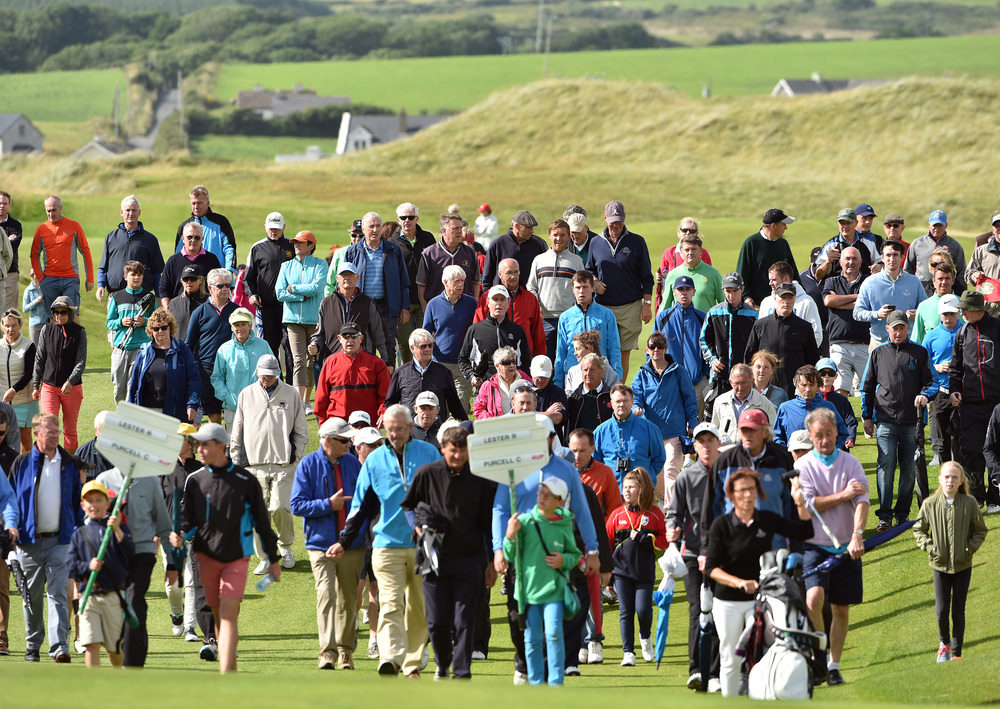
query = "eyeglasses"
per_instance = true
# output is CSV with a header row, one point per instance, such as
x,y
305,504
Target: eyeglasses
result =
x,y
222,286
159,328
407,217
507,363
688,230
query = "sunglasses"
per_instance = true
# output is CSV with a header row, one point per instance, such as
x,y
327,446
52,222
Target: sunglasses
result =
x,y
407,217
687,230
936,264
11,311
222,286
655,347
827,373
338,439
159,328
508,363
60,312
424,346
351,337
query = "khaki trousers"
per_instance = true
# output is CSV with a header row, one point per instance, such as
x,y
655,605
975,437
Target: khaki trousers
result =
x,y
336,598
276,483
402,622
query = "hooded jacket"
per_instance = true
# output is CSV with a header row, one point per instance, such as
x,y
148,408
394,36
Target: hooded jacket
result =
x,y
668,399
484,338
577,320
636,439
541,584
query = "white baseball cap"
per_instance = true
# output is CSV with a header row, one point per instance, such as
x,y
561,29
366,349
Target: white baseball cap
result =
x,y
498,290
948,304
541,366
274,220
426,398
359,417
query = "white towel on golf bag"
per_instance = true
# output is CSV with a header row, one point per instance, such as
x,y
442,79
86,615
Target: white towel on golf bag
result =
x,y
781,674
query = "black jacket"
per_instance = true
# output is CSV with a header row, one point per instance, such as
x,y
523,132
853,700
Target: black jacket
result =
x,y
61,355
224,226
222,507
484,338
407,382
791,338
894,377
263,264
575,416
170,280
334,311
12,228
411,257
975,362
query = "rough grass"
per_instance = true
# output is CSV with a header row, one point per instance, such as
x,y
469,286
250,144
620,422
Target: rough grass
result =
x,y
241,147
64,96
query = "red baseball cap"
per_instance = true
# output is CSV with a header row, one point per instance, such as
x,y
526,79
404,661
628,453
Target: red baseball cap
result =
x,y
753,418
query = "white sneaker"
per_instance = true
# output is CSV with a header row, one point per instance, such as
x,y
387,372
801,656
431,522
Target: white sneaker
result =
x,y
176,625
190,636
583,656
520,678
694,681
478,655
373,647
262,568
714,685
595,653
78,646
992,509
287,559
647,648
628,659
572,671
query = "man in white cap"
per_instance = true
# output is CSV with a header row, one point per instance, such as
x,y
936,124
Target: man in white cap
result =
x,y
347,304
487,336
422,373
321,494
263,264
359,419
269,439
551,399
799,443
215,507
523,308
236,363
426,423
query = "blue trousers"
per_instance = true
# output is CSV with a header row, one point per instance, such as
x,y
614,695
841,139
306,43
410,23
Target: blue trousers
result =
x,y
549,615
44,564
897,443
634,599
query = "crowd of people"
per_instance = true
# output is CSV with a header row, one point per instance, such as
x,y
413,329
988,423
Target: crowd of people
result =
x,y
746,385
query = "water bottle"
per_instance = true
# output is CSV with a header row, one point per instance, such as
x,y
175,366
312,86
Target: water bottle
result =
x,y
265,582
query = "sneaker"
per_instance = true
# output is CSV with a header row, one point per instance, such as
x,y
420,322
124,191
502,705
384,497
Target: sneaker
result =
x,y
373,647
308,408
992,509
414,675
4,652
78,646
628,659
176,624
714,685
883,524
595,652
62,658
936,460
609,596
694,681
364,616
583,656
943,654
345,661
388,669
325,661
900,520
835,678
190,635
520,678
262,568
31,656
571,671
209,652
440,674
955,657
287,559
478,655
647,648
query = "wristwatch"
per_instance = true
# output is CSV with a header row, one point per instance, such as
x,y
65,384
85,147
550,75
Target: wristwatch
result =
x,y
647,302
859,531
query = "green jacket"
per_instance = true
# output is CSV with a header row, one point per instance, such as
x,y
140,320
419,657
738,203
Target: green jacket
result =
x,y
538,582
950,534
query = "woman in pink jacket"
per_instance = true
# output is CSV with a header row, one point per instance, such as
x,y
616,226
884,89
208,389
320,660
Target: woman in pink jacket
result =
x,y
494,395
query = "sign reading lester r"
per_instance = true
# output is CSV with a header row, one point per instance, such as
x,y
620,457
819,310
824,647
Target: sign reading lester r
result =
x,y
508,446
139,437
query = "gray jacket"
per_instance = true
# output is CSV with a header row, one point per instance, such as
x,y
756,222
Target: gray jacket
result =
x,y
918,258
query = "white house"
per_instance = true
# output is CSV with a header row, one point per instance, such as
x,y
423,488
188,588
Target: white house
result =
x,y
358,132
816,84
18,134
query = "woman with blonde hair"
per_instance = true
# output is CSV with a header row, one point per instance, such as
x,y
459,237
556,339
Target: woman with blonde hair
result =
x,y
166,376
17,362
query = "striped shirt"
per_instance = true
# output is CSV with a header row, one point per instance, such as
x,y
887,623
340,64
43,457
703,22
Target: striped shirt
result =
x,y
374,287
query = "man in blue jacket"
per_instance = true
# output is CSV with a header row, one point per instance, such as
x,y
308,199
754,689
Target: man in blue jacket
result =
x,y
940,343
626,441
47,486
382,484
383,274
681,324
791,416
585,315
323,488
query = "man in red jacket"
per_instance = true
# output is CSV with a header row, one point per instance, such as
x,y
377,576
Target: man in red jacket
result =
x,y
351,380
524,309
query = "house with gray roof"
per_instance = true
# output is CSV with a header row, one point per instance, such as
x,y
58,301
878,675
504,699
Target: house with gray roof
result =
x,y
18,134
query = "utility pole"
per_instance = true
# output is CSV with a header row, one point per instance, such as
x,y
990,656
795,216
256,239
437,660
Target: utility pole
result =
x,y
548,45
180,106
541,22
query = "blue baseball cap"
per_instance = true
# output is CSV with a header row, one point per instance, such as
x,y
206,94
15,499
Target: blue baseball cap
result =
x,y
826,363
937,217
684,282
347,267
865,210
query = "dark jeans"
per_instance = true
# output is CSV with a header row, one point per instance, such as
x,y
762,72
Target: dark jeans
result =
x,y
573,627
951,589
896,444
550,326
693,580
206,620
971,419
391,324
946,434
634,599
136,641
451,599
920,465
484,629
270,322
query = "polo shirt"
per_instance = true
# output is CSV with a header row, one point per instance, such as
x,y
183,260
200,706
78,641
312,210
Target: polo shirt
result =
x,y
436,258
841,325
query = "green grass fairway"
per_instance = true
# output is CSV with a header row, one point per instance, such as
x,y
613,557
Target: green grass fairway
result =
x,y
458,82
64,96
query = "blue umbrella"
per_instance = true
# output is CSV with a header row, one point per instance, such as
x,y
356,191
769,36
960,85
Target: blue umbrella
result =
x,y
870,543
662,597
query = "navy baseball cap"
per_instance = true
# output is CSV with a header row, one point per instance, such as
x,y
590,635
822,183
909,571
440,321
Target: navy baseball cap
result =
x,y
684,282
865,210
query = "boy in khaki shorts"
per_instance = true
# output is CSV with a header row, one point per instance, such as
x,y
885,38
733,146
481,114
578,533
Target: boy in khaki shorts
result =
x,y
103,620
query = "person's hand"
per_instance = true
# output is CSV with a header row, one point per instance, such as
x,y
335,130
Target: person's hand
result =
x,y
605,577
101,292
869,427
127,322
499,562
593,564
66,388
833,255
718,366
556,408
114,521
853,489
90,286
955,398
911,313
647,312
943,367
335,551
856,547
633,534
176,540
275,570
513,526
554,560
675,535
312,349
701,562
12,533
637,410
883,312
171,577
848,444
876,267
96,564
748,586
599,287
491,576
35,394
254,300
920,401
404,316
338,499
8,395
138,321
288,289
798,497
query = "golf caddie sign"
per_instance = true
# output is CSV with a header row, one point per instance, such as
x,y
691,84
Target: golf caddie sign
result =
x,y
141,443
